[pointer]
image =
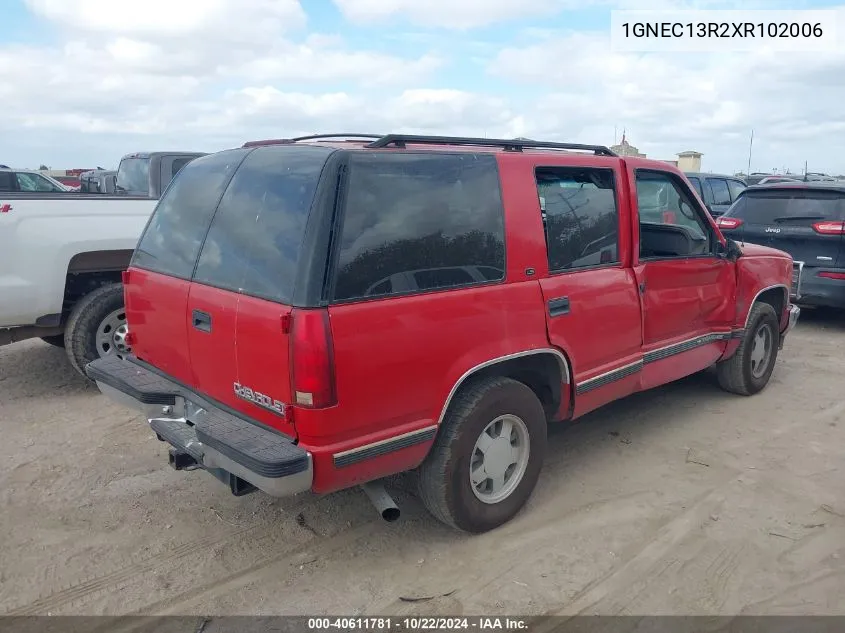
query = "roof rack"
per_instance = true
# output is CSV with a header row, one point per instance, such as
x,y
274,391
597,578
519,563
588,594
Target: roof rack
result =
x,y
509,145
310,137
352,135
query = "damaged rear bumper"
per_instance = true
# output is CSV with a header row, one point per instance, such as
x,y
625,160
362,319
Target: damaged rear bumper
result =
x,y
204,435
794,313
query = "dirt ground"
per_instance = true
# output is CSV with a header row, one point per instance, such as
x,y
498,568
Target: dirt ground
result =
x,y
682,500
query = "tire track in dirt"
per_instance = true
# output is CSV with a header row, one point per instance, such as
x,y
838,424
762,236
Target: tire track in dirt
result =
x,y
268,568
93,585
612,592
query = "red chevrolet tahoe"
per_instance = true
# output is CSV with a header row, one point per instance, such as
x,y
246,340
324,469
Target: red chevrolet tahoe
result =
x,y
319,313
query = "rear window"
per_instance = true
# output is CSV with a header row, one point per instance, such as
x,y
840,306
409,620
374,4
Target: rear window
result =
x,y
417,222
255,239
171,242
767,207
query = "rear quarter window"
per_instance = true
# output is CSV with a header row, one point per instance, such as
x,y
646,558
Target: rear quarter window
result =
x,y
173,237
255,239
428,219
768,207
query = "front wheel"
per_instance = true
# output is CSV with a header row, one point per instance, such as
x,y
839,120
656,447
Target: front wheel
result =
x,y
97,327
748,371
487,456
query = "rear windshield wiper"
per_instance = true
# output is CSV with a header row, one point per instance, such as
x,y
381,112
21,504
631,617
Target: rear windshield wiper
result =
x,y
792,218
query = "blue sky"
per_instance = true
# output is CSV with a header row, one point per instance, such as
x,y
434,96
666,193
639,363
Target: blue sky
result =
x,y
83,83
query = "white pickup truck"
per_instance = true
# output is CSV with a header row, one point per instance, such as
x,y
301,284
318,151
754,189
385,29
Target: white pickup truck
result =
x,y
62,256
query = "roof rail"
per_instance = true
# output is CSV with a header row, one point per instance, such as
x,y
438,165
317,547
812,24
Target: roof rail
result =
x,y
510,145
269,141
310,137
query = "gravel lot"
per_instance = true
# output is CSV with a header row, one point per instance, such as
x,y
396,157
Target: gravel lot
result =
x,y
680,500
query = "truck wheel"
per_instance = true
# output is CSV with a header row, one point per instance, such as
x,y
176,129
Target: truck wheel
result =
x,y
96,327
487,456
58,340
748,371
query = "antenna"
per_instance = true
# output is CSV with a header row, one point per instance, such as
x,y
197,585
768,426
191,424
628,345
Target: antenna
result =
x,y
750,145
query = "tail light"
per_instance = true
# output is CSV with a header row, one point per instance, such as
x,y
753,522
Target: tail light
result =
x,y
829,275
728,223
669,217
312,359
829,228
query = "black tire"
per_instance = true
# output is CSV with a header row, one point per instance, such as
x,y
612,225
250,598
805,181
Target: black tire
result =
x,y
57,340
85,319
444,476
735,374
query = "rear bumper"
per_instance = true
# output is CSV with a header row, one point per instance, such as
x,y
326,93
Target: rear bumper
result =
x,y
794,313
204,435
821,291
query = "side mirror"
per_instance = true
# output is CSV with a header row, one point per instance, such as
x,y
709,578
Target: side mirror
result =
x,y
730,250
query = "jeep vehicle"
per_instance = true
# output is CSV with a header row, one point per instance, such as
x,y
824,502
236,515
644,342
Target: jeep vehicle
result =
x,y
62,255
804,219
322,313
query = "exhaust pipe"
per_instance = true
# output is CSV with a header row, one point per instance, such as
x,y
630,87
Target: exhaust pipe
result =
x,y
383,502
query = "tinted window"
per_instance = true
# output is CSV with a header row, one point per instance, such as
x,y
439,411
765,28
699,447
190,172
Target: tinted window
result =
x,y
791,205
133,176
178,164
428,215
254,241
736,188
7,181
662,201
579,212
173,237
697,184
721,193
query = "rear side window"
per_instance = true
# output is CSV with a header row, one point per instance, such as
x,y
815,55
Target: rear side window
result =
x,y
721,193
417,222
789,205
579,213
697,184
171,242
178,163
736,188
254,242
7,181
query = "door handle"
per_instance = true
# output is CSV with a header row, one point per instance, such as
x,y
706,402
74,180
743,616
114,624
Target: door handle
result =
x,y
201,320
558,306
642,287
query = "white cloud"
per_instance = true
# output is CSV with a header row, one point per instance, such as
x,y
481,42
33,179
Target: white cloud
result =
x,y
470,14
227,71
457,14
671,103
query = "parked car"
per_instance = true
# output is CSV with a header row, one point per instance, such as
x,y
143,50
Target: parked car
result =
x,y
98,181
718,191
804,219
61,257
28,181
268,349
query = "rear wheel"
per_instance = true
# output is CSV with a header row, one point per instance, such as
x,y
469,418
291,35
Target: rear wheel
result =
x,y
487,456
97,327
57,340
748,371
